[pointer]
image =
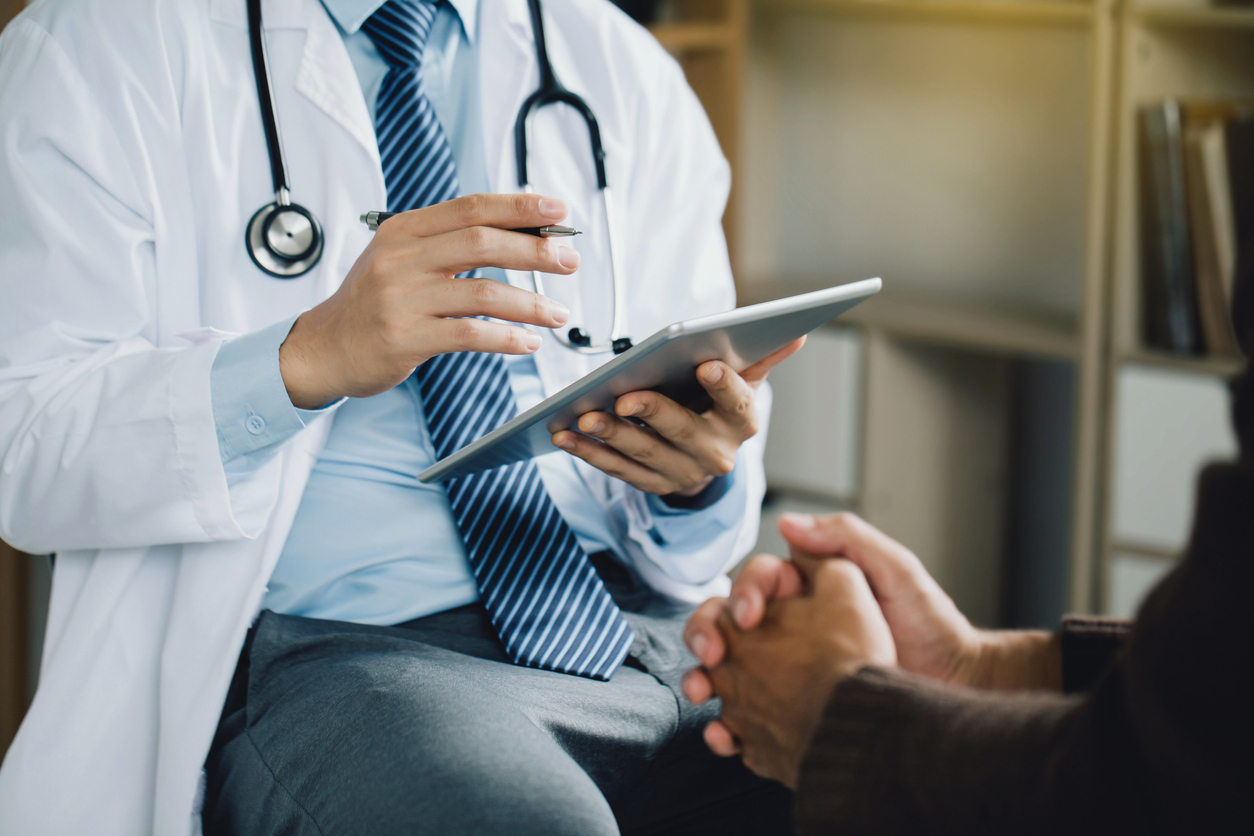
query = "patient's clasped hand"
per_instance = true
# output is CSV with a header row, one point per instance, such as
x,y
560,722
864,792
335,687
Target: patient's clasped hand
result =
x,y
851,597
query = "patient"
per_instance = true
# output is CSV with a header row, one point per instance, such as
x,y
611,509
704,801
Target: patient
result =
x,y
849,675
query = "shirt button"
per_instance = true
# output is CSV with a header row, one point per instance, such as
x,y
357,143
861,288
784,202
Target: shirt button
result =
x,y
255,424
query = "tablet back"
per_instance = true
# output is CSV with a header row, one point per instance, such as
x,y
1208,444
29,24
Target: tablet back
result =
x,y
665,363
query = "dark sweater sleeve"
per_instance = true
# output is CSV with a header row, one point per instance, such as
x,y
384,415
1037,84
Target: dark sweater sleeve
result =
x,y
899,754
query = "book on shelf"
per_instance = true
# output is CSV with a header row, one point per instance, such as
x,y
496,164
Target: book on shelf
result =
x,y
1196,172
1169,299
1214,232
1239,139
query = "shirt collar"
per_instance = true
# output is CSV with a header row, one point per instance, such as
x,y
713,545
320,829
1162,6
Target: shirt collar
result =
x,y
349,15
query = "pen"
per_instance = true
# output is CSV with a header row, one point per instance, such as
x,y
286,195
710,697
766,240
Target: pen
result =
x,y
373,219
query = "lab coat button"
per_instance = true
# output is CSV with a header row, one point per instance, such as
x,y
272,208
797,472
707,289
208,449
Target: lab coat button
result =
x,y
256,424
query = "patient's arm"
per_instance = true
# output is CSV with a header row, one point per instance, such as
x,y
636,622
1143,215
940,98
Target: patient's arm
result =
x,y
933,639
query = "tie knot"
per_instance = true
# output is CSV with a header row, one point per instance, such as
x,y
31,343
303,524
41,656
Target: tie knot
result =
x,y
399,29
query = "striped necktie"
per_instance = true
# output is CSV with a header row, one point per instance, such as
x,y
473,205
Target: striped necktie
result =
x,y
547,603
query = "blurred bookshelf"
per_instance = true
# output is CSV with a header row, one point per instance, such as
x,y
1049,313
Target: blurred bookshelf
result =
x,y
1007,359
972,11
1223,367
960,150
1191,16
933,319
1164,407
708,38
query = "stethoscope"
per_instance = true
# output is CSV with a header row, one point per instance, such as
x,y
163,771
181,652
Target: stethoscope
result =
x,y
284,239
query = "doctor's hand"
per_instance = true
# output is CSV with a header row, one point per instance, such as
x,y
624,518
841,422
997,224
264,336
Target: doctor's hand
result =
x,y
401,305
678,451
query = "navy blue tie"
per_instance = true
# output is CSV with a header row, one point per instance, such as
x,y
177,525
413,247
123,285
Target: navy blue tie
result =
x,y
546,601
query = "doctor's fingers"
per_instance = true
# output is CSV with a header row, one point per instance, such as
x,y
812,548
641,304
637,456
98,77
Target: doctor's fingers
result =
x,y
649,448
756,373
483,246
486,297
610,461
503,211
449,335
733,397
713,444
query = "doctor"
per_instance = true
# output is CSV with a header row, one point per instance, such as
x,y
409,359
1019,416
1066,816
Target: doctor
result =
x,y
199,442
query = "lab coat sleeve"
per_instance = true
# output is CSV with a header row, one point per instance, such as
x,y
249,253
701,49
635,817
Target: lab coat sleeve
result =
x,y
107,436
677,254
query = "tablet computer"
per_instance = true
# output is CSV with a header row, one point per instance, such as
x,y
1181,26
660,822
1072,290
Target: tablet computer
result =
x,y
666,362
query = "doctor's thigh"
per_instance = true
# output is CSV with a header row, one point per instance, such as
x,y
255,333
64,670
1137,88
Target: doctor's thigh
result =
x,y
336,728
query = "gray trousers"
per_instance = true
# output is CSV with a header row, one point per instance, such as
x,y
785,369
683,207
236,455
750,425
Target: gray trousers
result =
x,y
336,728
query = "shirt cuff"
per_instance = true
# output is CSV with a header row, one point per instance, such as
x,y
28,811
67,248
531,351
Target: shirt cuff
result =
x,y
710,494
251,408
717,507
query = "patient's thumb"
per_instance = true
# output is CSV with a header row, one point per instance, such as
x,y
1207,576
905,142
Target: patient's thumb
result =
x,y
826,535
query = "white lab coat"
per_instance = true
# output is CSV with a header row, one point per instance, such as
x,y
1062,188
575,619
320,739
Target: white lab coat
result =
x,y
131,157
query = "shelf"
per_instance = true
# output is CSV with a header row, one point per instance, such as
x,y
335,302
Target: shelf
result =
x,y
1147,550
1218,366
1193,17
1057,12
692,37
950,322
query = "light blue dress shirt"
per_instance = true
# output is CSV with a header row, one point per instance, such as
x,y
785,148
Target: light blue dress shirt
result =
x,y
370,543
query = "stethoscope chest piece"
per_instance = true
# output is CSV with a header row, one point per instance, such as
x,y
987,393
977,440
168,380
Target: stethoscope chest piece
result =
x,y
284,240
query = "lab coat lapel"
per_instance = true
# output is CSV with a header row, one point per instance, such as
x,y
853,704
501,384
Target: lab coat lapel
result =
x,y
508,73
328,80
326,76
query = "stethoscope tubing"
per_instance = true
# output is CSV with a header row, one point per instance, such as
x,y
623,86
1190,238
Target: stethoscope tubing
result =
x,y
551,91
265,94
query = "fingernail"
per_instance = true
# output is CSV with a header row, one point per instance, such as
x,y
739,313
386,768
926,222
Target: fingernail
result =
x,y
686,685
797,520
567,257
596,428
740,612
634,409
699,645
559,312
551,208
714,374
533,341
565,442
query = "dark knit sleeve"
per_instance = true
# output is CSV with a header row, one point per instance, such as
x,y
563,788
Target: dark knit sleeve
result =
x,y
1089,645
896,753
